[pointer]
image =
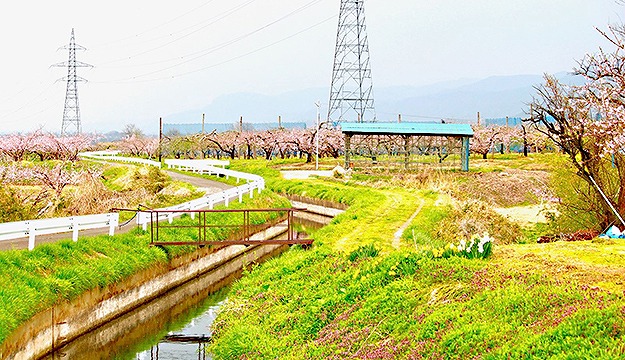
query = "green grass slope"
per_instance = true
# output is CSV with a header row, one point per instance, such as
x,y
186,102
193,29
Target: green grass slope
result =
x,y
342,299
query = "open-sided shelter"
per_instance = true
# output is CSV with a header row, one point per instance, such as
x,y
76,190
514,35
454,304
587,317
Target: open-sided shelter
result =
x,y
407,141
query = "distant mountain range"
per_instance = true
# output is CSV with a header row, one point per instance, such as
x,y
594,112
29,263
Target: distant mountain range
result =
x,y
493,97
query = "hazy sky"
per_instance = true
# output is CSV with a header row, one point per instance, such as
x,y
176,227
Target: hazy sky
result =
x,y
153,58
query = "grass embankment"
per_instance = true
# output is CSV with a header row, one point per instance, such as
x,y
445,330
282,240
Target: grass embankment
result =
x,y
562,300
32,281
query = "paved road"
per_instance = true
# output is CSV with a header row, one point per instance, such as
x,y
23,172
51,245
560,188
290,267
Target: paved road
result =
x,y
209,186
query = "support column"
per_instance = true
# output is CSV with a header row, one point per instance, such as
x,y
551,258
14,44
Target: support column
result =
x,y
406,151
464,153
348,139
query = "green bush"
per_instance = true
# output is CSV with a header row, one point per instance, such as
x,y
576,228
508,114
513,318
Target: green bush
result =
x,y
363,252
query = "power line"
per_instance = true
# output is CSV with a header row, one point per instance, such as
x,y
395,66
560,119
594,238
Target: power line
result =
x,y
216,19
207,51
428,117
157,26
134,79
30,102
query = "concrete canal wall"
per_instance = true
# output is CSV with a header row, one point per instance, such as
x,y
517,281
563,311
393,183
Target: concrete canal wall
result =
x,y
61,324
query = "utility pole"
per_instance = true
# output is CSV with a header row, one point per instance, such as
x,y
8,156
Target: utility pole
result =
x,y
203,116
318,104
71,111
160,139
351,90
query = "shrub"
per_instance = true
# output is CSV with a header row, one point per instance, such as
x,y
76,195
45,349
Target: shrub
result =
x,y
366,251
475,217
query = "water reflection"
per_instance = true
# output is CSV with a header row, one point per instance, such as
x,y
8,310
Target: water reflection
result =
x,y
189,309
190,348
150,331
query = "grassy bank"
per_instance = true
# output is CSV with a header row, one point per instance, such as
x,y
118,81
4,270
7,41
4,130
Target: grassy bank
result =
x,y
342,299
32,281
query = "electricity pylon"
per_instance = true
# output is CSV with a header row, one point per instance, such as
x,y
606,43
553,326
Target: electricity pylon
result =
x,y
71,112
351,92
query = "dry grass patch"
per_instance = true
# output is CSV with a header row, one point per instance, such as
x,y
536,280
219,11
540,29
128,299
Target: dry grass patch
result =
x,y
585,262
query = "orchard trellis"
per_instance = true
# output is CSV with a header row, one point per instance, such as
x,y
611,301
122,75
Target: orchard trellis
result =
x,y
407,145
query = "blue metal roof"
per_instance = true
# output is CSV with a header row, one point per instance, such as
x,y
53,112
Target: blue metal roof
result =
x,y
407,128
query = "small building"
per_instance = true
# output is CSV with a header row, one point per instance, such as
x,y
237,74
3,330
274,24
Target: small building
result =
x,y
406,143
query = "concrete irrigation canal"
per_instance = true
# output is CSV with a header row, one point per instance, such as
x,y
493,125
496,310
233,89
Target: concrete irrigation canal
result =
x,y
166,315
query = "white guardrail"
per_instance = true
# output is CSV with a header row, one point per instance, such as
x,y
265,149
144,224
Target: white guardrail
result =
x,y
32,228
111,155
254,182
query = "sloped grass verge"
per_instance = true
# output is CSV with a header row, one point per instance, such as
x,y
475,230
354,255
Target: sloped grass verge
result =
x,y
32,281
369,304
320,304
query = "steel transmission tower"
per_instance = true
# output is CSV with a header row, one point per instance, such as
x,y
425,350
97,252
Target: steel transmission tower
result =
x,y
71,112
351,92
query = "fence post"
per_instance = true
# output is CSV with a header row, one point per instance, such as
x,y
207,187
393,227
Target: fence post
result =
x,y
74,229
240,193
252,191
31,235
113,220
226,198
144,224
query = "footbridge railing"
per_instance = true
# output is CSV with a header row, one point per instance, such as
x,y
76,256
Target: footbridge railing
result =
x,y
225,227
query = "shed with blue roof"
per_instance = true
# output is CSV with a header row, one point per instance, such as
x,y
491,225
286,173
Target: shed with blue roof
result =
x,y
408,130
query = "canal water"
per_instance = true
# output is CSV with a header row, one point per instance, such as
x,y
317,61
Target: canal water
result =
x,y
174,326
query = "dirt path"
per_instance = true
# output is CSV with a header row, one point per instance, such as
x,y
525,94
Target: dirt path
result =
x,y
400,231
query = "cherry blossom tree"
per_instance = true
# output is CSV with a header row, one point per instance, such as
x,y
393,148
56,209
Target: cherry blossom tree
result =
x,y
484,137
138,145
331,142
66,148
17,146
586,122
227,142
508,136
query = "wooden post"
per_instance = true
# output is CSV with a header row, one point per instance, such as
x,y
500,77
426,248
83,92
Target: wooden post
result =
x,y
348,139
406,151
241,124
507,121
279,122
478,118
399,119
203,117
160,139
464,153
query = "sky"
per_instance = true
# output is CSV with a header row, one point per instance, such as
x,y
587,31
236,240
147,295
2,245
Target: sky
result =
x,y
153,58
